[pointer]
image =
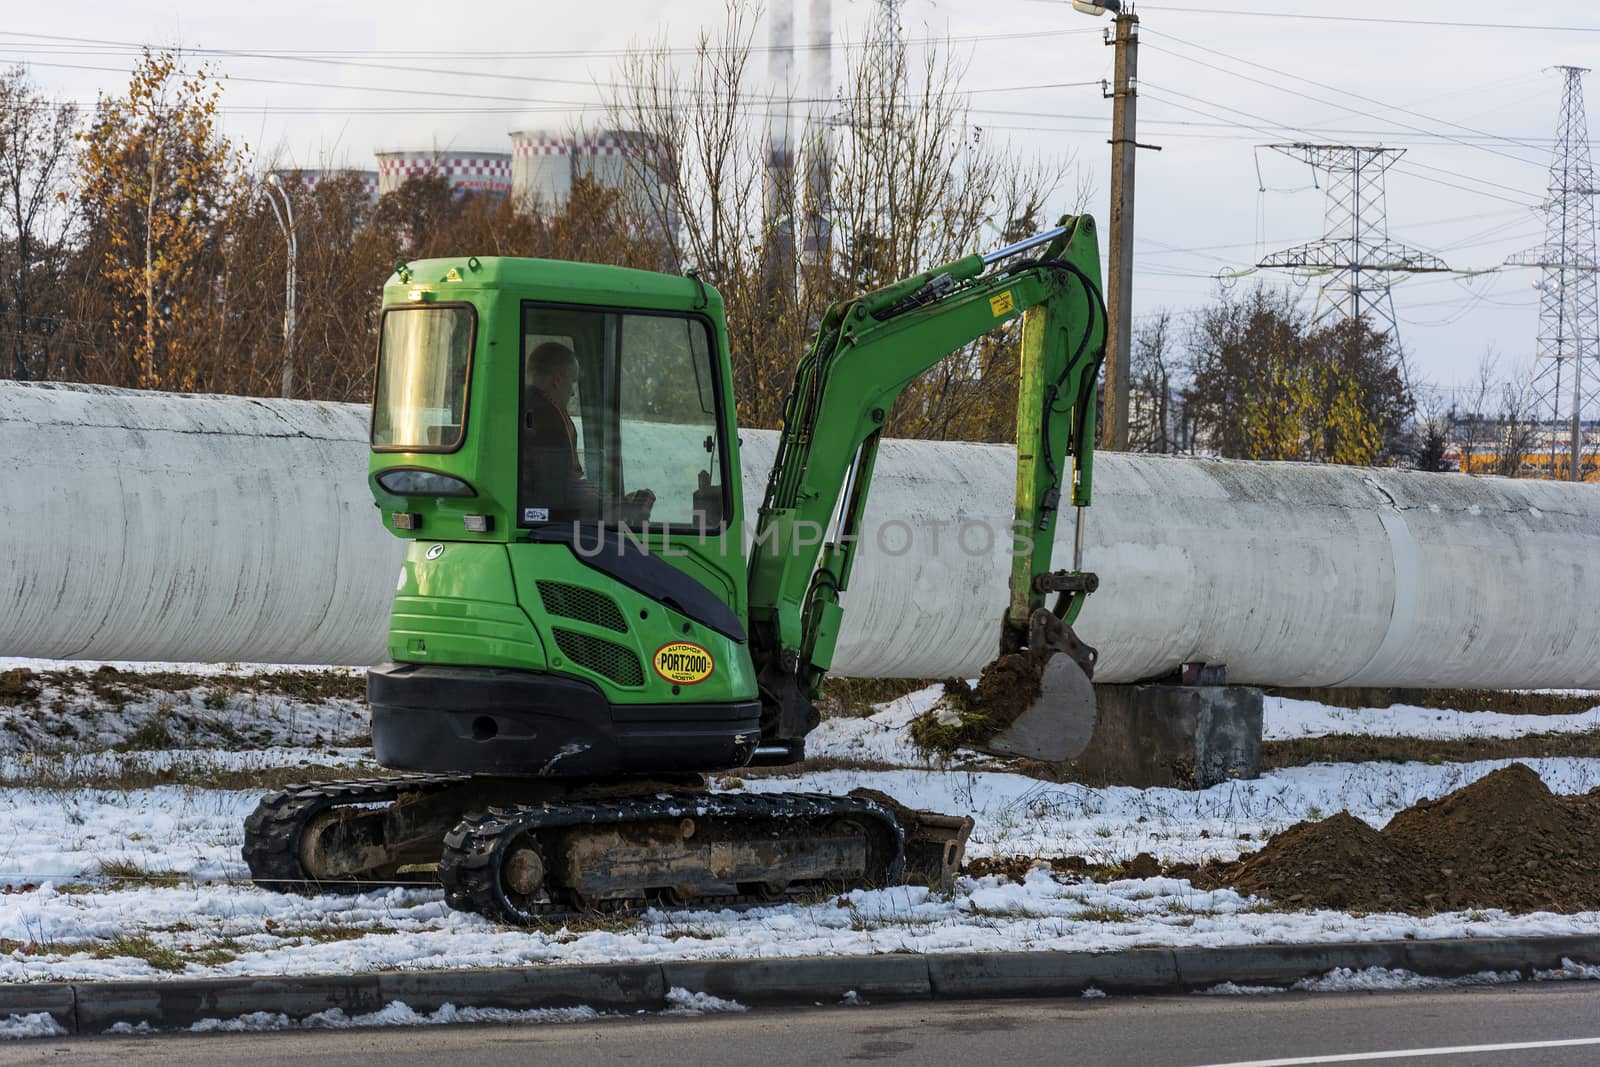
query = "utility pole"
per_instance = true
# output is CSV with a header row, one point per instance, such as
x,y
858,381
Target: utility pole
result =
x,y
1119,299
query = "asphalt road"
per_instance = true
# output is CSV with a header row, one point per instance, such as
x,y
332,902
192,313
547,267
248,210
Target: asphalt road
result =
x,y
1448,1029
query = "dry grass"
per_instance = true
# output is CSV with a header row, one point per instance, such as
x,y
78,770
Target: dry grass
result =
x,y
855,697
142,947
22,687
122,871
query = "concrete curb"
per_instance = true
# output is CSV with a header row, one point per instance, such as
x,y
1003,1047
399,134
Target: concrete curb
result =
x,y
93,1007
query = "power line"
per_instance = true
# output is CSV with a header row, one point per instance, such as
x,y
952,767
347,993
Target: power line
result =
x,y
552,53
1409,225
1333,88
133,50
1273,128
1445,23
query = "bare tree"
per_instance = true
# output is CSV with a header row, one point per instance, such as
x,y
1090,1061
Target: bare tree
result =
x,y
1151,401
1434,430
1474,432
890,178
36,138
1517,427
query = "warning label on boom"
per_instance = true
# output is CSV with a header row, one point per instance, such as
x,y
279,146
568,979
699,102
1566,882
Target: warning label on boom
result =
x,y
683,663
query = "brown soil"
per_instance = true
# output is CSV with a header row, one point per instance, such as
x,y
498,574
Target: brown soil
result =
x,y
1345,748
1340,862
1507,702
1504,841
1016,868
1007,687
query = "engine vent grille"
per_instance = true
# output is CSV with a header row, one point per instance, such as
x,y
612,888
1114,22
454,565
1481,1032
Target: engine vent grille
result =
x,y
606,658
585,605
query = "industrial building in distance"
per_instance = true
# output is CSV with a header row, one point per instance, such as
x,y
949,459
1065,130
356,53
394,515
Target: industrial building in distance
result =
x,y
539,169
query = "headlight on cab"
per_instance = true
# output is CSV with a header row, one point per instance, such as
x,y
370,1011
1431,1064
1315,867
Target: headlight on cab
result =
x,y
412,481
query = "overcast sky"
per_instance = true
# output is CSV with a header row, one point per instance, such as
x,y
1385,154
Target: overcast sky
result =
x,y
1209,98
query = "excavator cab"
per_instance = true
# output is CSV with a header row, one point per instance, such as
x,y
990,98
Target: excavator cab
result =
x,y
556,442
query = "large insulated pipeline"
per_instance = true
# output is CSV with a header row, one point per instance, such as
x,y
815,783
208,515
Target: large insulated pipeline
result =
x,y
149,526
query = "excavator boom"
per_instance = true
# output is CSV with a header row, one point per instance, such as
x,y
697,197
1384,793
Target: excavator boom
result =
x,y
866,353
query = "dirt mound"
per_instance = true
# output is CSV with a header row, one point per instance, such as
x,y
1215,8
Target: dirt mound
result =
x,y
1505,841
1340,862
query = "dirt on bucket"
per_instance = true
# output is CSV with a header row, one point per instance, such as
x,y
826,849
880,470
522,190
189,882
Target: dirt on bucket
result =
x,y
1505,842
970,715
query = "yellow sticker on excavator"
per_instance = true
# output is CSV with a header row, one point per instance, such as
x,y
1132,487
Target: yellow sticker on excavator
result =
x,y
683,663
1002,304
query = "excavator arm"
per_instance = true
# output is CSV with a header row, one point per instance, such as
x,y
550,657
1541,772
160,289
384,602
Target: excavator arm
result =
x,y
864,355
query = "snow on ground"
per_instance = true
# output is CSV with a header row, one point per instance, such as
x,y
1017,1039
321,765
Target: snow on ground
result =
x,y
1284,719
882,737
224,931
73,717
71,834
63,926
878,738
148,882
1017,815
11,663
48,767
34,1024
681,1001
395,1013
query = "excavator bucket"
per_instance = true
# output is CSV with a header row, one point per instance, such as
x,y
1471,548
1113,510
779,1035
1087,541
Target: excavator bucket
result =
x,y
1058,723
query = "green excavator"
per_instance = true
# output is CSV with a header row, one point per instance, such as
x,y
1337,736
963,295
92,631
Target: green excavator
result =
x,y
584,627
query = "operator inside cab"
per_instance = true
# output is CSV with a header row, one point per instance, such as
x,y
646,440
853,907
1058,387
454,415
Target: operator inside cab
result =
x,y
551,471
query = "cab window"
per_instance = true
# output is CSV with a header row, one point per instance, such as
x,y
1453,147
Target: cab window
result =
x,y
420,400
619,420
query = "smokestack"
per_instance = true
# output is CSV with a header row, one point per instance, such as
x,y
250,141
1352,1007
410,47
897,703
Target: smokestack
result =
x,y
821,65
780,149
819,157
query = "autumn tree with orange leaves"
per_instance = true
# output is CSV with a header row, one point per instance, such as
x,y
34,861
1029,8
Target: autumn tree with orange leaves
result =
x,y
157,181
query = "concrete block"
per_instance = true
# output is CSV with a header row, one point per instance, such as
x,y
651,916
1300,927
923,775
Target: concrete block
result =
x,y
177,1004
1045,974
30,998
1280,965
1190,737
630,986
896,977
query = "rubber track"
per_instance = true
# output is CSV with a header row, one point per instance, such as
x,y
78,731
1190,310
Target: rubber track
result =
x,y
272,832
469,868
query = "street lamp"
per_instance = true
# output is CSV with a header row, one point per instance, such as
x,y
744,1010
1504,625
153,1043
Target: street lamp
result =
x,y
285,219
1097,7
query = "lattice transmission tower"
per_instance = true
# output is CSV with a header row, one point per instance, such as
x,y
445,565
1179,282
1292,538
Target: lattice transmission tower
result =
x,y
1569,333
1355,256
